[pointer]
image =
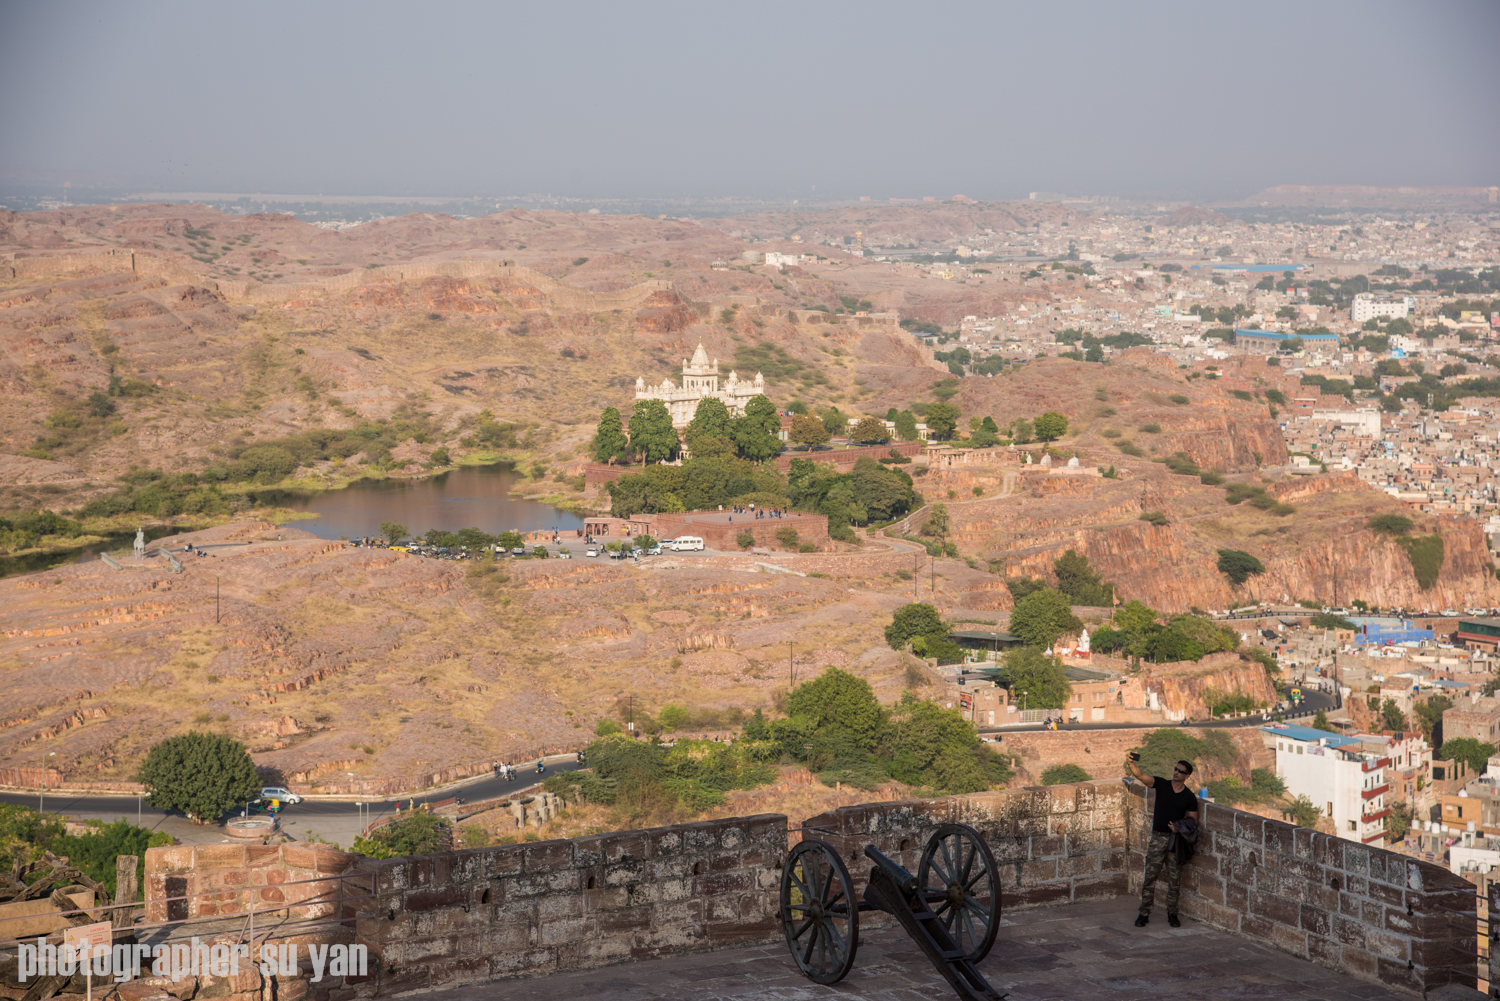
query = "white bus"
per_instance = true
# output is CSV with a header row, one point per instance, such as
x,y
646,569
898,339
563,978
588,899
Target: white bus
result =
x,y
684,543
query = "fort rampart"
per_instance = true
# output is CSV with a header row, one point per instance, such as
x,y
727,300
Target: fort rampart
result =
x,y
533,908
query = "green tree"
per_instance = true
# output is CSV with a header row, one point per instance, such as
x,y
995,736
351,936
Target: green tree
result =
x,y
605,727
1040,677
1239,566
937,520
609,441
1067,774
1303,812
906,426
204,775
1320,722
942,420
834,422
711,418
808,430
393,531
1331,620
652,436
1077,579
1474,753
911,621
416,833
1393,718
1051,426
1135,617
757,435
839,699
1043,616
1022,430
1429,712
869,431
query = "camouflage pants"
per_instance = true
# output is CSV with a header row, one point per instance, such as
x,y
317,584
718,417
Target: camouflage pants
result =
x,y
1157,856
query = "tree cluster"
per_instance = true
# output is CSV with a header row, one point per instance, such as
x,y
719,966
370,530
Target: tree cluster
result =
x,y
1138,633
835,724
920,625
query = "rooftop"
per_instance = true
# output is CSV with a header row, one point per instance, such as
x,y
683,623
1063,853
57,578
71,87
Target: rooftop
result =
x,y
1307,733
1079,952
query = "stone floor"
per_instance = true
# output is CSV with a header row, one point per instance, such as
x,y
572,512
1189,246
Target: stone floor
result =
x,y
1078,952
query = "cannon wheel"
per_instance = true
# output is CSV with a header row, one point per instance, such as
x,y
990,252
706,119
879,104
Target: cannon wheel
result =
x,y
958,878
818,911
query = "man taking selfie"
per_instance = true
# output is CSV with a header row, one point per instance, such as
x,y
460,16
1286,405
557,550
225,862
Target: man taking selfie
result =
x,y
1175,803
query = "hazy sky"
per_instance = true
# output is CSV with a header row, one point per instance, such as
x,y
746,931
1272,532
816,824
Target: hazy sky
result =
x,y
812,100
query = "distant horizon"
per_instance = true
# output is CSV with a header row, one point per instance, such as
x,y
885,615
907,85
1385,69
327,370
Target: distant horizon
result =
x,y
1174,101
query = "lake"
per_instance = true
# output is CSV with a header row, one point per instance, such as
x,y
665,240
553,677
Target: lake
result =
x,y
468,497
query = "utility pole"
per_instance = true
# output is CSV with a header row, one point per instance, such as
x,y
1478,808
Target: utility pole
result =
x,y
791,667
216,599
916,576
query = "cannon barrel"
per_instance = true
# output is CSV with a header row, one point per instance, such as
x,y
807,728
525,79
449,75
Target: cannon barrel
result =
x,y
903,879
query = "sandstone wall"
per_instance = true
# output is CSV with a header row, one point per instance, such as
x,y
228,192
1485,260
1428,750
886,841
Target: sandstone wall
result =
x,y
554,905
1372,913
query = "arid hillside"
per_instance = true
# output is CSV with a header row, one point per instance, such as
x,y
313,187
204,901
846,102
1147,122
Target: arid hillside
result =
x,y
328,659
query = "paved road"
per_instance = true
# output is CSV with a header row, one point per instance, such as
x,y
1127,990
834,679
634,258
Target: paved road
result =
x,y
1311,703
335,820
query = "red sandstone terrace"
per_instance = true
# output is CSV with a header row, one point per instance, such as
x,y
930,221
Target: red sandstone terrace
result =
x,y
1270,908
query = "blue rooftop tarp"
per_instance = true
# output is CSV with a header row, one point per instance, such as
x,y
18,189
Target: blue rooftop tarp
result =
x,y
1276,335
1306,733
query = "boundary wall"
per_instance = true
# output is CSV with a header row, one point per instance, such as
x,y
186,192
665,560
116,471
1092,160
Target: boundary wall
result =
x,y
533,908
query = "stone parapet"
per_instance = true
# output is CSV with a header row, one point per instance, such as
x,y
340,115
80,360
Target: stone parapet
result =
x,y
553,905
1365,911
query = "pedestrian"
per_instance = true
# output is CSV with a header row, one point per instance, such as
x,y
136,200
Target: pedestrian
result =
x,y
1175,803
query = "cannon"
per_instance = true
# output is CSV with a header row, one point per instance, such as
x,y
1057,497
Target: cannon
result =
x,y
950,908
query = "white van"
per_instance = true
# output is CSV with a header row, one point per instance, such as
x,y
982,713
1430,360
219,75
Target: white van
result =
x,y
683,543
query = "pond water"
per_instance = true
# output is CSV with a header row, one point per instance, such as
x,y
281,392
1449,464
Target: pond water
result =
x,y
468,497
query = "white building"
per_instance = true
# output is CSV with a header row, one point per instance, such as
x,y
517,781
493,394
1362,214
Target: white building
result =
x,y
775,260
1345,780
700,378
1367,306
1363,422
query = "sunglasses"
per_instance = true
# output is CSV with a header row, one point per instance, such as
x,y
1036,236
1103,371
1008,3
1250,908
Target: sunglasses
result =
x,y
1178,771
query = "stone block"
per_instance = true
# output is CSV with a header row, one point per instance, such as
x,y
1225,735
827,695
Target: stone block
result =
x,y
1104,886
1289,939
435,898
459,970
1250,926
1325,952
531,961
1315,920
1302,842
503,860
1236,896
1383,943
1275,908
1398,974
1277,836
663,841
1048,846
737,881
1218,819
561,930
1384,893
1349,931
547,857
1249,829
1357,860
1359,963
1040,871
1039,895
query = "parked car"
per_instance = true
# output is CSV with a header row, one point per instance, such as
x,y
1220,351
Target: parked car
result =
x,y
278,793
563,554
654,551
591,551
518,551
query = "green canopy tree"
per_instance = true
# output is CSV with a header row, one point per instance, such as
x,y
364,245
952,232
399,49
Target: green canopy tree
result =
x,y
906,426
1051,425
1043,616
711,417
839,699
911,621
757,433
1078,579
1040,677
1239,566
1474,753
869,431
942,420
652,436
1022,430
809,430
204,775
393,531
609,441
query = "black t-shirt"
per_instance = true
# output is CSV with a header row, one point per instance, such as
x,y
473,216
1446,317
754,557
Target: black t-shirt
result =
x,y
1171,805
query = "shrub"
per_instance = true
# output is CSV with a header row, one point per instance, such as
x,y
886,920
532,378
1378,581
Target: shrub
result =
x,y
1179,399
1130,448
1390,524
1065,775
415,833
1239,566
1150,428
787,536
744,540
1426,555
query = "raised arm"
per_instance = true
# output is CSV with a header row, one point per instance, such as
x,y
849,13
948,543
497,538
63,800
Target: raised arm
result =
x,y
1135,770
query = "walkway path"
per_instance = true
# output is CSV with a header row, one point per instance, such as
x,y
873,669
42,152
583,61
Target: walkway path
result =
x,y
1079,952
